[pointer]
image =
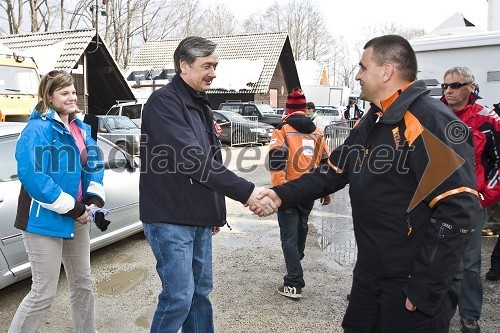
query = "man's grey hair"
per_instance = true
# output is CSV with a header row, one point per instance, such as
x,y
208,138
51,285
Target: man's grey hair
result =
x,y
464,72
191,48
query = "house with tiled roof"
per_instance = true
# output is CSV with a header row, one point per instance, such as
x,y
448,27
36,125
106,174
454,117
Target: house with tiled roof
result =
x,y
98,79
252,67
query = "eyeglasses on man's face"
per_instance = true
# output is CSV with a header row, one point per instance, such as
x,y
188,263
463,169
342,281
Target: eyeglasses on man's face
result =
x,y
454,85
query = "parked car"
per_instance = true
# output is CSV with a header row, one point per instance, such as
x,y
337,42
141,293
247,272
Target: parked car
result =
x,y
121,131
131,109
237,128
279,111
263,112
326,115
121,185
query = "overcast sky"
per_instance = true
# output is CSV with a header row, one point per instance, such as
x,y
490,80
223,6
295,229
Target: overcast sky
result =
x,y
347,17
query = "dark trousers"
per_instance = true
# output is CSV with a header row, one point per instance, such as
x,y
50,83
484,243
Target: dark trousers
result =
x,y
377,305
293,234
495,256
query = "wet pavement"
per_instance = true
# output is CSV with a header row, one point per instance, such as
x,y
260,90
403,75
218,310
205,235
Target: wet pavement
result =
x,y
248,265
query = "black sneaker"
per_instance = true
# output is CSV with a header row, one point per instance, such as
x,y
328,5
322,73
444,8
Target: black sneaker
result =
x,y
292,292
470,326
493,275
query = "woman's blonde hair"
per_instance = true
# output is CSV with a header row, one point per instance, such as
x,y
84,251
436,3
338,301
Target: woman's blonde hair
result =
x,y
52,81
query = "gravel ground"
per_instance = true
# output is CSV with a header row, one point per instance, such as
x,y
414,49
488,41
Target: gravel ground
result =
x,y
248,265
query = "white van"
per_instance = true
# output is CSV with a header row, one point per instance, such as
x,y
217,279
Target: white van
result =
x,y
132,109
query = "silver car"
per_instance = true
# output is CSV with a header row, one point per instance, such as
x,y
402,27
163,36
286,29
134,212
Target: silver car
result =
x,y
326,116
121,131
121,184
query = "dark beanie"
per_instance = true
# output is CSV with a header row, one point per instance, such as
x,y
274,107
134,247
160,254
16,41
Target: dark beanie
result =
x,y
296,101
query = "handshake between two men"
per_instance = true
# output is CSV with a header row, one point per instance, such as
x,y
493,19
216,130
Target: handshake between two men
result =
x,y
263,202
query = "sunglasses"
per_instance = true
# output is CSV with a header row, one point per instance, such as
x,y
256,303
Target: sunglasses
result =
x,y
454,85
56,72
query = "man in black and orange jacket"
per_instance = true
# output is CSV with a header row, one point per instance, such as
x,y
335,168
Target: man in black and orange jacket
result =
x,y
413,196
296,148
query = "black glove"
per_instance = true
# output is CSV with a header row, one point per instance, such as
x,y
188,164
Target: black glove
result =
x,y
100,221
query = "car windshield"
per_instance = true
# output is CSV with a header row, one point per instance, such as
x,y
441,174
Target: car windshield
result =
x,y
120,123
330,111
20,80
265,108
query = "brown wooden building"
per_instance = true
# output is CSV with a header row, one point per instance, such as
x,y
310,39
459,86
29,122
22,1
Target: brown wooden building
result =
x,y
266,60
98,78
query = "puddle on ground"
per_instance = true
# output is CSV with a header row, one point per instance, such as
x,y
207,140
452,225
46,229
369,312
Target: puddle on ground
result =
x,y
337,236
121,282
142,321
345,252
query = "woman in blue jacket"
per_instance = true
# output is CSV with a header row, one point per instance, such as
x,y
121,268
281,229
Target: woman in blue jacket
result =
x,y
61,176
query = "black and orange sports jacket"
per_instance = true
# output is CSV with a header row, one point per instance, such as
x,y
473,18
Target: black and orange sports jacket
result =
x,y
410,170
297,146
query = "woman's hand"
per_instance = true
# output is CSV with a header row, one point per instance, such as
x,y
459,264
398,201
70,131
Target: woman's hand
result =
x,y
85,218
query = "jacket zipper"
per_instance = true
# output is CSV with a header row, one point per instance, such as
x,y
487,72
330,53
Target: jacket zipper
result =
x,y
410,228
440,236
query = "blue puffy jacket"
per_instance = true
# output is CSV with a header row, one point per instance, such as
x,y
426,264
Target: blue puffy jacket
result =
x,y
49,168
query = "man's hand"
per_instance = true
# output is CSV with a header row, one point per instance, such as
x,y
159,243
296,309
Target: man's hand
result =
x,y
215,230
266,197
261,205
325,200
409,306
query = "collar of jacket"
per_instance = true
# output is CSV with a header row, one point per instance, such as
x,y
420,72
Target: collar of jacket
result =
x,y
300,122
397,109
57,123
191,97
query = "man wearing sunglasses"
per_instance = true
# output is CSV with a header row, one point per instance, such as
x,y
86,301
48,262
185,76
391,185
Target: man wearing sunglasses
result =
x,y
460,94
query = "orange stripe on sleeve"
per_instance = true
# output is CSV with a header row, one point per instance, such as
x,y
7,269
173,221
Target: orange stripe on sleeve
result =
x,y
451,192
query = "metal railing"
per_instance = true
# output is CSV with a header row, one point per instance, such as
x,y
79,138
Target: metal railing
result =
x,y
241,133
337,132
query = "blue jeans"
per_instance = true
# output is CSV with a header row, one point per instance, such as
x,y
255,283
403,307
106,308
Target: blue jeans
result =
x,y
293,234
470,302
184,264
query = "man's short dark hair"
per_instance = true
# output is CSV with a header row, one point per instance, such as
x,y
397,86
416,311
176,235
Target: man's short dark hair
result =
x,y
190,48
310,105
396,50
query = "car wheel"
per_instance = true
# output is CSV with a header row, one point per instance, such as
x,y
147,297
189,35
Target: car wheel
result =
x,y
125,146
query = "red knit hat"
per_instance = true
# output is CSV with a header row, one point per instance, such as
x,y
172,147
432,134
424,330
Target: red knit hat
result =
x,y
296,101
